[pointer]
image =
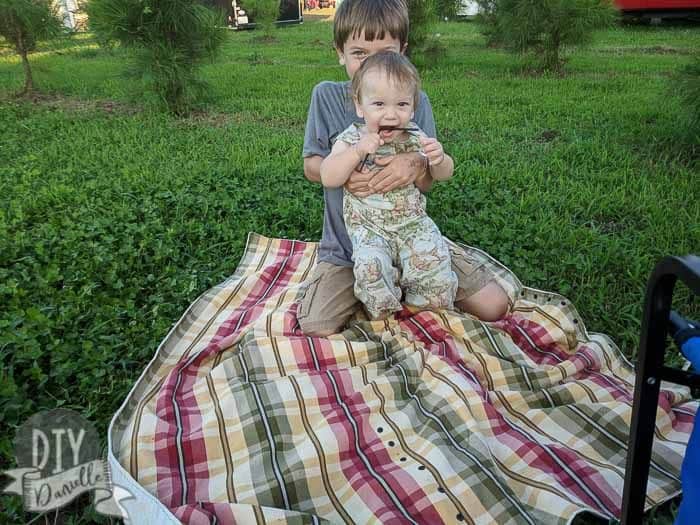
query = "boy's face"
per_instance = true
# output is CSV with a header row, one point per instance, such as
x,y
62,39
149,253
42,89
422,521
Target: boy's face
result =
x,y
356,49
384,103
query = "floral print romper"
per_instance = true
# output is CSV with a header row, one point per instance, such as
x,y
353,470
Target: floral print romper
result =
x,y
396,246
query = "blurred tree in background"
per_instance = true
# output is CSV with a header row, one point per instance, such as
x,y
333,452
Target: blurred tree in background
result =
x,y
544,27
173,38
23,23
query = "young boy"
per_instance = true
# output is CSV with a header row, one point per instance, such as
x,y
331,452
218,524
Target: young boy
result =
x,y
362,28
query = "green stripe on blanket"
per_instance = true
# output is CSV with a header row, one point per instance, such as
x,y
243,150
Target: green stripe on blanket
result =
x,y
432,417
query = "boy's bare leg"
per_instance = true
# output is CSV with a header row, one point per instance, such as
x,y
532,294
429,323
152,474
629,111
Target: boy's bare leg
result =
x,y
488,304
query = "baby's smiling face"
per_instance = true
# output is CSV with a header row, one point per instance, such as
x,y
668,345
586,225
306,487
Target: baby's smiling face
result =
x,y
385,103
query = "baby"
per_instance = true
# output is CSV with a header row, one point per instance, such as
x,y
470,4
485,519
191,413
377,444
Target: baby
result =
x,y
394,241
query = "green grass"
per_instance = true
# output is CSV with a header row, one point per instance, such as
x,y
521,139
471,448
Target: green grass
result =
x,y
113,217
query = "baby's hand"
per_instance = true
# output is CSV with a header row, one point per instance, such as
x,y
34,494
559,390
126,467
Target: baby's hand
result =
x,y
433,150
368,144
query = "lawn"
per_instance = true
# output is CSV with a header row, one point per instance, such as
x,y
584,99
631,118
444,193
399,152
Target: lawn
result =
x,y
114,217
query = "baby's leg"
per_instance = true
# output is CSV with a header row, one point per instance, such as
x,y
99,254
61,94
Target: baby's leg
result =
x,y
376,278
427,278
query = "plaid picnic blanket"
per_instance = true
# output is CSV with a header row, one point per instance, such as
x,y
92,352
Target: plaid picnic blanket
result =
x,y
427,418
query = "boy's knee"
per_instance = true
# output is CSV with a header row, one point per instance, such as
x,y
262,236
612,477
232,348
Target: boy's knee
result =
x,y
493,311
491,303
324,323
328,300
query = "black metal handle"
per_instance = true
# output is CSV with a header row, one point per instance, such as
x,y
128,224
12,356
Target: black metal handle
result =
x,y
650,372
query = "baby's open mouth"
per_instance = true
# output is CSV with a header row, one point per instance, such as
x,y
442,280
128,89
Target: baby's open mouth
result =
x,y
386,132
395,128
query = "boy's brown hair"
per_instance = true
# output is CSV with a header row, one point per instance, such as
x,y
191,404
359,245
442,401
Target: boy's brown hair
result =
x,y
397,68
374,18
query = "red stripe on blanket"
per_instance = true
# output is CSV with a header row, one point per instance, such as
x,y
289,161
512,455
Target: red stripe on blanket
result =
x,y
180,453
683,417
537,343
544,351
313,353
379,453
425,327
373,494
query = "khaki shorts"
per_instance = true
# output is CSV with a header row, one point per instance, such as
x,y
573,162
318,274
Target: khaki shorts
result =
x,y
329,300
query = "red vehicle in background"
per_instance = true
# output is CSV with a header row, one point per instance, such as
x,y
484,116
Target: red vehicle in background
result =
x,y
657,9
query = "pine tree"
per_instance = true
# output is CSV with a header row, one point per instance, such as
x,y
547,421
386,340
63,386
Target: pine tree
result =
x,y
23,23
264,13
547,26
488,20
173,37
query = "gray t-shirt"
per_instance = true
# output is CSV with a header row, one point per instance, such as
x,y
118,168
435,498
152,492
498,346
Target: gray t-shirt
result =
x,y
330,112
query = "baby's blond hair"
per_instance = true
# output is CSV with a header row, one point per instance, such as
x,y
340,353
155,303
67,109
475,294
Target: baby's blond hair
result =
x,y
397,68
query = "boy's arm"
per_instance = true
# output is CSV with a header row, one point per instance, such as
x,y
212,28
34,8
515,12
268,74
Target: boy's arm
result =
x,y
337,167
317,138
424,181
401,170
312,168
444,170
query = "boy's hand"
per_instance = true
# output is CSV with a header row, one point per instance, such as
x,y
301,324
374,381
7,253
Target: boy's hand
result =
x,y
397,171
368,144
433,150
357,184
